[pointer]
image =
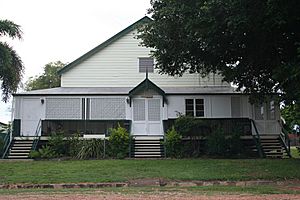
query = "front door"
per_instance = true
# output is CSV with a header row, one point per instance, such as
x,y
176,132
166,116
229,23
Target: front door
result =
x,y
146,114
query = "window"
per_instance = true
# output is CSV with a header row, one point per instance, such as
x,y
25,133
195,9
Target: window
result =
x,y
259,111
271,110
146,64
194,107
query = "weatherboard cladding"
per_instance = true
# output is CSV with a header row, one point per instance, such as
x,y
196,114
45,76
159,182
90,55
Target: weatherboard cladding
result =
x,y
105,44
115,63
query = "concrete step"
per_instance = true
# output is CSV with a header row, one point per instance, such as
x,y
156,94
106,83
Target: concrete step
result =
x,y
148,138
23,141
20,150
22,145
147,141
147,144
17,157
147,150
148,147
147,156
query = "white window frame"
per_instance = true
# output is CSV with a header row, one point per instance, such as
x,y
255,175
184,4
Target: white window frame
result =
x,y
194,106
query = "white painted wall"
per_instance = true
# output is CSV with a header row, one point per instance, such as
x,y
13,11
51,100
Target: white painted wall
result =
x,y
215,106
117,66
30,110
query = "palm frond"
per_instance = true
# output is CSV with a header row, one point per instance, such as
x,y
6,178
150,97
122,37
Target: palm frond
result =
x,y
11,70
8,28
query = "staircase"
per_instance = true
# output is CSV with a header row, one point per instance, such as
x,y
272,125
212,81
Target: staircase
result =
x,y
19,149
272,146
147,147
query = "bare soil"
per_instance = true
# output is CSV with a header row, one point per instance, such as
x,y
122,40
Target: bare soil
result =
x,y
172,195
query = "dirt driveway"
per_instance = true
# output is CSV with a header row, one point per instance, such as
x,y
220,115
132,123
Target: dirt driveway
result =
x,y
175,196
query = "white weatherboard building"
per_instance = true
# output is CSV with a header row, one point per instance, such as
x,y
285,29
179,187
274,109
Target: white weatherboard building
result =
x,y
108,85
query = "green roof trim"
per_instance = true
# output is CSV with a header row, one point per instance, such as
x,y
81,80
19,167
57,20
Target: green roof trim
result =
x,y
105,44
146,85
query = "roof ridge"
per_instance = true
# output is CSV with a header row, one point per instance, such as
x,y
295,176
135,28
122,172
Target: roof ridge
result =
x,y
104,44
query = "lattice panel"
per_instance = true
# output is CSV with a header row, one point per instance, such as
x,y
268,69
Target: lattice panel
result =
x,y
139,111
63,108
108,108
154,110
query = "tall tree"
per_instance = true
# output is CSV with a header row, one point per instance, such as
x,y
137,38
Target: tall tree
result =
x,y
11,66
253,44
49,78
291,114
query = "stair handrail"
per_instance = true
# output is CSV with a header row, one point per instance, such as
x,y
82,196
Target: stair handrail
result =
x,y
258,141
285,139
7,143
36,135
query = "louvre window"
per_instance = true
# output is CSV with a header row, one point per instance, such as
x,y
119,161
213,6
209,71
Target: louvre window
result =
x,y
146,64
194,107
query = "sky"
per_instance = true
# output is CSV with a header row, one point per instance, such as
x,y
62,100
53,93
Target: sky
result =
x,y
64,29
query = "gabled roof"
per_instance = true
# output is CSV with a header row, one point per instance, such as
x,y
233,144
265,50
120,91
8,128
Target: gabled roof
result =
x,y
3,124
105,44
64,91
147,85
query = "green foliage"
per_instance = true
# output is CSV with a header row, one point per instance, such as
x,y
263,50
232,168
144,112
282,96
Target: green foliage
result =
x,y
291,115
75,145
93,148
1,146
59,144
34,154
49,78
190,126
217,144
255,45
235,146
45,153
11,66
184,125
173,143
119,142
192,130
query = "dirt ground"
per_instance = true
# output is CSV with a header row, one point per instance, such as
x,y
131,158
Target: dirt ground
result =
x,y
175,196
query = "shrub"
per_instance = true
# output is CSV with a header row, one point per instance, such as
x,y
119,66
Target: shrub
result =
x,y
119,140
184,125
192,130
34,154
46,152
235,145
93,148
216,143
173,143
75,145
58,144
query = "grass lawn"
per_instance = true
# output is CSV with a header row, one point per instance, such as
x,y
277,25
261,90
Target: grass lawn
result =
x,y
123,170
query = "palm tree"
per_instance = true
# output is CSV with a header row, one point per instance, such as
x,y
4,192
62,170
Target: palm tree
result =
x,y
11,66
